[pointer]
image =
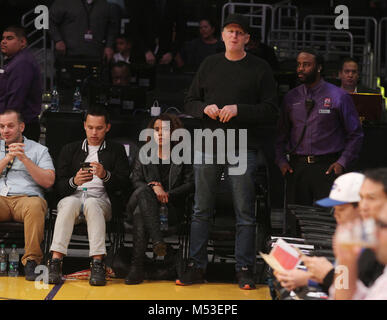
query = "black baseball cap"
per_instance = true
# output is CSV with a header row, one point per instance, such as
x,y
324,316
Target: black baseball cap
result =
x,y
238,19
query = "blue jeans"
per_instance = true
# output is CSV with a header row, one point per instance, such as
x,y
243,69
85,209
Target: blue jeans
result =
x,y
243,191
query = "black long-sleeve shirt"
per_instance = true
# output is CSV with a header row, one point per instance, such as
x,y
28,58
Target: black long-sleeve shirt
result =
x,y
248,83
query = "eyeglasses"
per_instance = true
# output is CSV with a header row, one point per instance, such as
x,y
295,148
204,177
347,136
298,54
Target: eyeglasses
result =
x,y
380,224
237,32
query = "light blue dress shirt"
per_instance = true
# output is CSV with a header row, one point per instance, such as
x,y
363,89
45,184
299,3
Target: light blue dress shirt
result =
x,y
18,179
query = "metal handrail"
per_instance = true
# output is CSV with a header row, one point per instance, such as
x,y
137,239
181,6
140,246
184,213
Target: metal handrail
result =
x,y
283,3
361,41
24,17
275,21
301,43
27,20
351,18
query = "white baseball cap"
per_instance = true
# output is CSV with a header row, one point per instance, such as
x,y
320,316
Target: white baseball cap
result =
x,y
345,189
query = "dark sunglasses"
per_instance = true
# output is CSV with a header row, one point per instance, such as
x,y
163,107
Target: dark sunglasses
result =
x,y
380,224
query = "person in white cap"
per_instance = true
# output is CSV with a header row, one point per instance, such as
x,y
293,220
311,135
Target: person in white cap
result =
x,y
344,197
369,263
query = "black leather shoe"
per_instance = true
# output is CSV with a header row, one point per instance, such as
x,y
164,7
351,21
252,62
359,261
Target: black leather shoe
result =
x,y
98,273
54,271
29,270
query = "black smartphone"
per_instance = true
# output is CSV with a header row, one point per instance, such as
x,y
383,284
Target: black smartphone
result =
x,y
86,166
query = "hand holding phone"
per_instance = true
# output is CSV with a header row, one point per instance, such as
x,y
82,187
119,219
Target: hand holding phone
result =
x,y
86,166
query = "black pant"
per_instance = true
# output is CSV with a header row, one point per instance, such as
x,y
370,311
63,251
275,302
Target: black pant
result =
x,y
144,203
32,131
309,182
146,221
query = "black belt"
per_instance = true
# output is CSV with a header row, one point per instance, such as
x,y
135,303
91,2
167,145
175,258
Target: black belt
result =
x,y
313,159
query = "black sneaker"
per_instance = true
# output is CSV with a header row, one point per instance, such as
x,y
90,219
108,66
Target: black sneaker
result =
x,y
29,270
245,279
54,271
98,273
192,275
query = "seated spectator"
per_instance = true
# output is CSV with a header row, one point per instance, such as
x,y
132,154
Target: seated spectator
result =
x,y
195,51
20,81
344,197
108,173
156,185
348,256
349,77
160,29
27,170
373,196
127,50
262,50
120,74
123,46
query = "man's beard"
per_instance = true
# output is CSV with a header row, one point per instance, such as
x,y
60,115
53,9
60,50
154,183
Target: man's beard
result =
x,y
310,77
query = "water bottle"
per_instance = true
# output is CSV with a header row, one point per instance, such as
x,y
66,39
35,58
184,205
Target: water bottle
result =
x,y
77,99
54,100
3,261
163,217
13,262
83,199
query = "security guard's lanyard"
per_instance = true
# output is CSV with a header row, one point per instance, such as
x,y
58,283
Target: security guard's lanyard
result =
x,y
88,8
9,165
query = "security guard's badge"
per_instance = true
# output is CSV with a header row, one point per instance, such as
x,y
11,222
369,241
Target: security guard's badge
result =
x,y
327,105
88,36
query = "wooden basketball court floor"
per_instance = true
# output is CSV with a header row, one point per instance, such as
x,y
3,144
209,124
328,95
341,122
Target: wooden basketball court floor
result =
x,y
18,288
220,286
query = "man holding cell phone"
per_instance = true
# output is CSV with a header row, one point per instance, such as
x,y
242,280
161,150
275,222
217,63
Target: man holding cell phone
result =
x,y
102,167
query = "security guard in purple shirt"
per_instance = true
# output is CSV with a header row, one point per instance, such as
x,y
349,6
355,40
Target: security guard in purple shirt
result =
x,y
319,133
20,81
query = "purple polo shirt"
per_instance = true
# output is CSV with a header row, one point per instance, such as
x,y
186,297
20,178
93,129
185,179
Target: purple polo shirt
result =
x,y
333,124
21,86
